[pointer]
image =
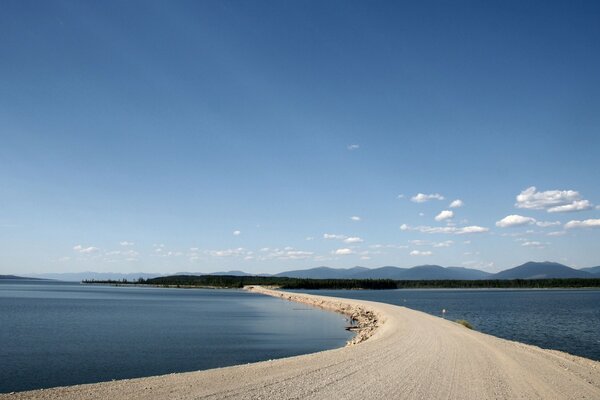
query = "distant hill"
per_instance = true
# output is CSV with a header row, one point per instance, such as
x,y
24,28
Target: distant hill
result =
x,y
323,273
231,273
529,270
387,272
469,273
14,277
592,270
80,276
541,270
422,272
220,273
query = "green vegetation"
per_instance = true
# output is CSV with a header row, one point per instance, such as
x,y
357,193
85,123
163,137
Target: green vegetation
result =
x,y
228,281
464,323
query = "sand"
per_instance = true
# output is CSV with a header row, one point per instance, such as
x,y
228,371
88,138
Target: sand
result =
x,y
399,354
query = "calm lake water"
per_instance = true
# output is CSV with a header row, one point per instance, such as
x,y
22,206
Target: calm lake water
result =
x,y
55,334
567,320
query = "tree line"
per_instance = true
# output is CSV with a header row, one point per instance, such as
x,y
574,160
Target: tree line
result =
x,y
229,281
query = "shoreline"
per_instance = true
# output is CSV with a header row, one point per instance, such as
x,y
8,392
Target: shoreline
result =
x,y
408,354
367,321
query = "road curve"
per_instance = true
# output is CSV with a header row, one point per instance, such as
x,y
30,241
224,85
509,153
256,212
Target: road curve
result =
x,y
410,355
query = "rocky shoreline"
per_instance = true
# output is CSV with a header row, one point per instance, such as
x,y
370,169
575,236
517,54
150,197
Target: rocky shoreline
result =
x,y
365,320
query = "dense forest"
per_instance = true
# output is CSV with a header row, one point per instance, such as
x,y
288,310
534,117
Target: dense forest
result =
x,y
228,281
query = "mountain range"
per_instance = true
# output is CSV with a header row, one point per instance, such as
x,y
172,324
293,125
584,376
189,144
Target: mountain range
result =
x,y
529,270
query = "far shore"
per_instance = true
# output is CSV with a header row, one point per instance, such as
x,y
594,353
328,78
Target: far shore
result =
x,y
398,353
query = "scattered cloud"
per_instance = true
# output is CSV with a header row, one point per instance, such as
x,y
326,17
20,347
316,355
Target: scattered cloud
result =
x,y
456,203
85,250
556,233
237,252
588,223
422,198
534,244
353,239
454,230
444,215
125,243
287,253
447,243
237,233
552,201
514,220
355,218
309,238
420,253
352,147
400,196
332,236
546,224
343,252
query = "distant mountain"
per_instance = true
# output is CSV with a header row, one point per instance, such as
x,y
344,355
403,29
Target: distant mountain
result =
x,y
592,270
469,274
230,273
323,273
387,272
541,270
14,277
422,272
80,276
529,270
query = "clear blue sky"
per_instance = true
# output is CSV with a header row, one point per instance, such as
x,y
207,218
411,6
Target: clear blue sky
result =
x,y
166,136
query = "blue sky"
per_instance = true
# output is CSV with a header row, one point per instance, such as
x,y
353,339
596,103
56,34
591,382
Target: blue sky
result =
x,y
202,136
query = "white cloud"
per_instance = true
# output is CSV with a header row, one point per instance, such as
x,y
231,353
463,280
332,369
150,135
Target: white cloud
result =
x,y
125,243
447,243
420,253
514,220
471,229
400,196
353,239
237,252
552,200
579,205
444,215
237,233
556,233
85,250
588,223
546,224
287,253
456,203
330,236
453,230
422,198
537,245
355,218
352,147
343,252
309,238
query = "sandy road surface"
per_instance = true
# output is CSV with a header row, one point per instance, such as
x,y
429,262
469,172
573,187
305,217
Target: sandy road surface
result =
x,y
411,355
